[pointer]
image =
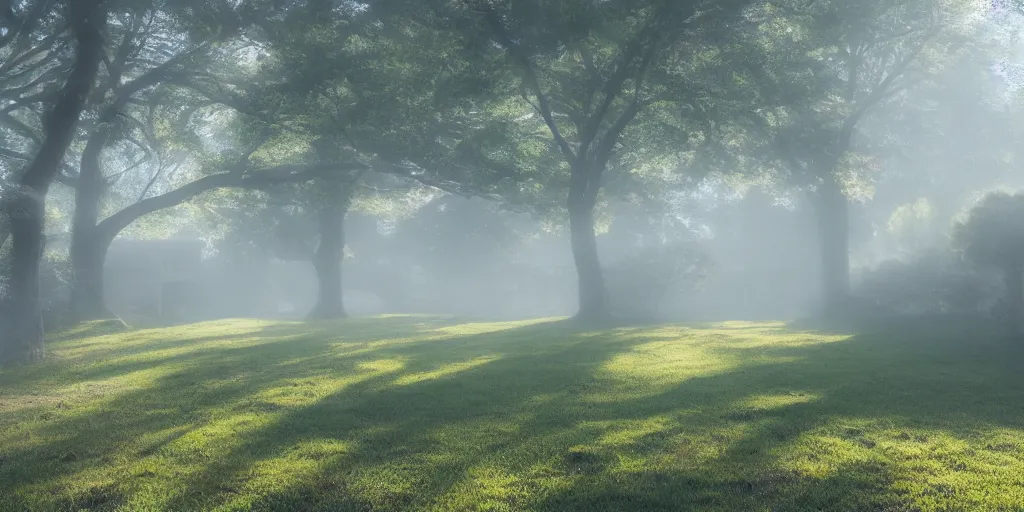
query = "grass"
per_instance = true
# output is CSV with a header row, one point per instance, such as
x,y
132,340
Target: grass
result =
x,y
409,413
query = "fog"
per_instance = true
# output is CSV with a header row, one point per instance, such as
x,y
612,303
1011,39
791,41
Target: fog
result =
x,y
444,173
537,255
750,249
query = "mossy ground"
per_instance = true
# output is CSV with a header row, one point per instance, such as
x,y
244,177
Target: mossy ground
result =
x,y
407,413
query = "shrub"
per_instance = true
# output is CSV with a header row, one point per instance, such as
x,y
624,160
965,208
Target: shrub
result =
x,y
642,284
992,235
934,282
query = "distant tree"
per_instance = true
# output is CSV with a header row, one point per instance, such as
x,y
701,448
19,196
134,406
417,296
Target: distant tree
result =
x,y
992,235
817,70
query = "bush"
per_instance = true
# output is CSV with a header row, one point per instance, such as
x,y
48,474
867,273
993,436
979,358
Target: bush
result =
x,y
937,282
643,284
991,235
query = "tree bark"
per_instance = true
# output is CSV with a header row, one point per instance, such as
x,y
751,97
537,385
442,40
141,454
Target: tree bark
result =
x,y
21,327
21,337
327,263
1015,299
88,249
88,254
593,295
833,216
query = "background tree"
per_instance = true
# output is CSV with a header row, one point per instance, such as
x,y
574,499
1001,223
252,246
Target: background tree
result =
x,y
819,69
992,235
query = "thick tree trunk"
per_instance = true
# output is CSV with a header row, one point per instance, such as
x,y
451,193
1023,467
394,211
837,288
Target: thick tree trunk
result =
x,y
88,253
21,324
1015,299
327,263
833,216
88,248
21,337
593,296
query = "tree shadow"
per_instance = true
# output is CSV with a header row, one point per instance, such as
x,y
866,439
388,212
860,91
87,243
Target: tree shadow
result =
x,y
124,352
528,417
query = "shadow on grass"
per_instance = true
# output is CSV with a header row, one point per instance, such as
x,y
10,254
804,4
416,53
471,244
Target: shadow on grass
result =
x,y
527,417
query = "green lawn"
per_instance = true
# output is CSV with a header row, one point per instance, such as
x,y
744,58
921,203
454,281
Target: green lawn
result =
x,y
410,413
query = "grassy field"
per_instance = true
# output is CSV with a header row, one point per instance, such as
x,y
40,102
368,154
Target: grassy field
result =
x,y
408,413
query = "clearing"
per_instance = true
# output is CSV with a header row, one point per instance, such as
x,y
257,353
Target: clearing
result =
x,y
418,413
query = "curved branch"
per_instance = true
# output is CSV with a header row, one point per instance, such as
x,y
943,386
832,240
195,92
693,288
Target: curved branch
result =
x,y
255,180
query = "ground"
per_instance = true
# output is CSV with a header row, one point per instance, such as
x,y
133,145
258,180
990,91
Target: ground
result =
x,y
412,413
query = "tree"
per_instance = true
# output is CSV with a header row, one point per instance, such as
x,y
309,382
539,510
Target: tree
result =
x,y
992,235
21,329
333,202
365,98
588,73
173,76
36,51
149,53
819,70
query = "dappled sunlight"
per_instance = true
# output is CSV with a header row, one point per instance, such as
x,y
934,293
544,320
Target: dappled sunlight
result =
x,y
469,329
69,403
490,488
444,371
299,465
658,366
762,402
517,416
628,433
926,465
382,365
309,390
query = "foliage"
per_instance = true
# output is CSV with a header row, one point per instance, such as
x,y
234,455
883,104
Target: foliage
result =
x,y
912,225
992,232
931,282
815,71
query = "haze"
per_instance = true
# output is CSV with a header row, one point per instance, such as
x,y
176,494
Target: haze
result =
x,y
710,206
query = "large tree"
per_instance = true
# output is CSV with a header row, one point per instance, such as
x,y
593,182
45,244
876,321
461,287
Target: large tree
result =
x,y
174,78
588,74
21,329
367,96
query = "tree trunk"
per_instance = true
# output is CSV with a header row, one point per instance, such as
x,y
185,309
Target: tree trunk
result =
x,y
21,338
88,253
1015,299
327,263
88,249
593,296
833,215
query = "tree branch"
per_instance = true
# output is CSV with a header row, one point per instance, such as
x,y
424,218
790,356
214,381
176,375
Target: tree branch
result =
x,y
518,54
254,180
